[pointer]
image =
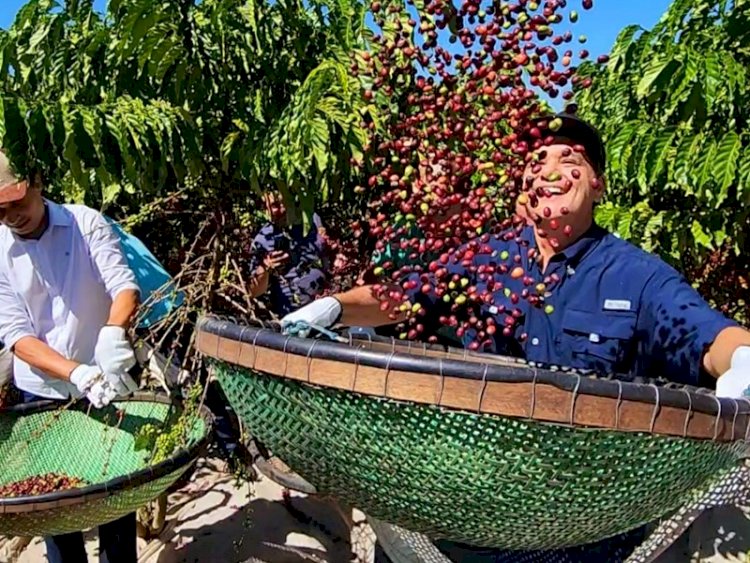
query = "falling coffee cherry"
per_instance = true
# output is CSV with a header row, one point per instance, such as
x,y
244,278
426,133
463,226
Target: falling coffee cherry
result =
x,y
517,273
448,164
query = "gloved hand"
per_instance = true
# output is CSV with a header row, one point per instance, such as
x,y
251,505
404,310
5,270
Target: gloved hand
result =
x,y
90,381
122,383
115,356
735,382
324,312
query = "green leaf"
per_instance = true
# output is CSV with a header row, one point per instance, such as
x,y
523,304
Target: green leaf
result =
x,y
682,167
658,155
700,236
110,193
637,153
656,75
720,236
652,230
743,182
227,146
704,166
736,74
687,76
70,153
617,144
623,42
713,79
625,224
2,121
646,146
606,216
725,164
93,127
695,105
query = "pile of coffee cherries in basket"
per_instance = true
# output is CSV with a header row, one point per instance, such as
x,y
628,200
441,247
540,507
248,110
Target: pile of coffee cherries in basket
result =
x,y
40,485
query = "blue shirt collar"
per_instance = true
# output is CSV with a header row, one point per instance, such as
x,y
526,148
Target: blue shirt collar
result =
x,y
574,253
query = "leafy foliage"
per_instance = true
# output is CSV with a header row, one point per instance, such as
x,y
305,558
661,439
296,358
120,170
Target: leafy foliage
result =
x,y
673,105
224,95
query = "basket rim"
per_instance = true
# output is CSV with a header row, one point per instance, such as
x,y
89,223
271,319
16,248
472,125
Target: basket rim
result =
x,y
70,497
734,413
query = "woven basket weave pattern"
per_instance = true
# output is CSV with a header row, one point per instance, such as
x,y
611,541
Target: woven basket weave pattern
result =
x,y
89,515
90,447
484,480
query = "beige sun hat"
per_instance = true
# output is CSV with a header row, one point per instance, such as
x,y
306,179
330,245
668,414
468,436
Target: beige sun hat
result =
x,y
12,188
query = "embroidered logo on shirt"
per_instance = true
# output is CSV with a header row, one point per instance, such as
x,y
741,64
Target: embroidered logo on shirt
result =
x,y
616,305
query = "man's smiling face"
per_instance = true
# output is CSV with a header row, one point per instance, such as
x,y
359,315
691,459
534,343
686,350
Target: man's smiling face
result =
x,y
564,185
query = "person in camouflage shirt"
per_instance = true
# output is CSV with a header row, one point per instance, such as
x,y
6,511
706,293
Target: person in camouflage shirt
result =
x,y
289,265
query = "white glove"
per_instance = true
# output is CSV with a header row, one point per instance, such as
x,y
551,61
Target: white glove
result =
x,y
91,382
735,382
115,356
324,313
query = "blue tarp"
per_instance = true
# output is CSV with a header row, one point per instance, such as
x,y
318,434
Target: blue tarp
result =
x,y
151,277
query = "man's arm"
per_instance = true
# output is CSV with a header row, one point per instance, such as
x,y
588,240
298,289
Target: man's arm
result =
x,y
361,307
18,335
356,307
123,309
718,358
114,270
40,356
259,282
684,336
263,260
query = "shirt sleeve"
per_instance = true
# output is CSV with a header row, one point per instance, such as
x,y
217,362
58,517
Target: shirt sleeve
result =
x,y
679,326
109,258
433,306
262,244
15,323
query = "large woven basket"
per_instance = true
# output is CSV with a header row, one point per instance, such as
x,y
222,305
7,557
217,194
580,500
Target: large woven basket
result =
x,y
40,438
474,448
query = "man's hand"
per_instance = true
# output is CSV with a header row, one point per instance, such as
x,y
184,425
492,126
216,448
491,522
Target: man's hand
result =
x,y
90,381
275,260
735,382
324,313
115,356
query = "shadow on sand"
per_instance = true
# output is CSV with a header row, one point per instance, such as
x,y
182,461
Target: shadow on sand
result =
x,y
718,535
260,532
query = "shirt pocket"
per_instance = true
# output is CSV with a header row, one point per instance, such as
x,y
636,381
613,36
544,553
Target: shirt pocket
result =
x,y
597,339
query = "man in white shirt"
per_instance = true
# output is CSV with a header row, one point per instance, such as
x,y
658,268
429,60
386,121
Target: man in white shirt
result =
x,y
67,297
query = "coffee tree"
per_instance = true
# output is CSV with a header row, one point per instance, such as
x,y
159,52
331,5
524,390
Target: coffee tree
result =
x,y
673,104
222,96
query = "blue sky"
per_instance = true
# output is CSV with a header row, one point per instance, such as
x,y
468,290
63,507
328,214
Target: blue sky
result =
x,y
600,25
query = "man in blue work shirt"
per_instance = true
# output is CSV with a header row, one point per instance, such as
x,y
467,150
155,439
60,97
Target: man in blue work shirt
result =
x,y
604,305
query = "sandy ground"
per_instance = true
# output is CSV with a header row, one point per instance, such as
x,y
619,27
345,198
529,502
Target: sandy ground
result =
x,y
215,519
